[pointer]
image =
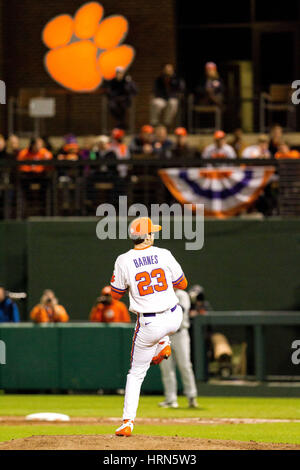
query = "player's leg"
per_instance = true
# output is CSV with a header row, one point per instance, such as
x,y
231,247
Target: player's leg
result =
x,y
183,361
168,374
172,321
140,365
169,323
163,350
143,349
145,341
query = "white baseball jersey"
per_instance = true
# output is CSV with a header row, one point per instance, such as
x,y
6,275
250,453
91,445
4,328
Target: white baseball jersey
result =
x,y
150,274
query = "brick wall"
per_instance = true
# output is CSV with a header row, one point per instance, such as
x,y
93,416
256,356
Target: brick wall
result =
x,y
2,107
152,33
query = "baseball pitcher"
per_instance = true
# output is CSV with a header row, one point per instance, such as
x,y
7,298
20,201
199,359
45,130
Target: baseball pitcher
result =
x,y
150,274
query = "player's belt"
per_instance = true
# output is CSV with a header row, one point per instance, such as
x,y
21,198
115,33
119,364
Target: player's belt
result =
x,y
154,314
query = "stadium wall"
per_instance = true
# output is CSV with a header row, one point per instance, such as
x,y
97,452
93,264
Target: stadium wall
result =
x,y
23,55
90,357
69,357
244,265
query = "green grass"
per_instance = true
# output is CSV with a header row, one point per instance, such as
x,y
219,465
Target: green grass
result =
x,y
111,406
267,432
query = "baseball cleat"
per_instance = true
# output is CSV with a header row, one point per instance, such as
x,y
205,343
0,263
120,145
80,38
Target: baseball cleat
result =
x,y
165,353
193,403
126,428
165,404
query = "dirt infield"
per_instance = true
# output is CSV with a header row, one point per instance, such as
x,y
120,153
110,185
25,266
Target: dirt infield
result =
x,y
135,442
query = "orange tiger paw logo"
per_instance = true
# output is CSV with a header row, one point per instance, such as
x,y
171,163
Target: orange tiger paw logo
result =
x,y
85,49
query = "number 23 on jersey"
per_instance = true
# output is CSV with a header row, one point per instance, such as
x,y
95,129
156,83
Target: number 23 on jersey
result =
x,y
144,280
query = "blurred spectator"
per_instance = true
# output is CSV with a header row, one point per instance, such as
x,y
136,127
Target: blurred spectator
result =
x,y
219,149
199,305
70,149
109,310
13,145
101,151
167,88
237,142
260,150
121,150
68,152
47,143
49,310
101,173
284,151
276,138
142,143
120,91
211,91
9,311
181,147
162,144
102,148
4,172
35,151
118,145
86,152
3,153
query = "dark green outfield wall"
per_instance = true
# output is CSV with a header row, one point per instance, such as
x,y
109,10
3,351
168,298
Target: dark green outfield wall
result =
x,y
13,254
244,265
69,357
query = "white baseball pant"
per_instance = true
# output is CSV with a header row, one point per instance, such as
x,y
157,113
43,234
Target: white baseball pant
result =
x,y
149,332
181,356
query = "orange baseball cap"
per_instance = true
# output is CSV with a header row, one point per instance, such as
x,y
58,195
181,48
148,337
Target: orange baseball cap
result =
x,y
117,133
146,129
106,290
219,135
180,131
142,226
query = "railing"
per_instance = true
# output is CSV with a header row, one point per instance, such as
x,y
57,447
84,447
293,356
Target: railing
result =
x,y
78,187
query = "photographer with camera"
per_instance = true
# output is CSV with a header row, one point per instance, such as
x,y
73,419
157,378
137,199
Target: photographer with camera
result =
x,y
9,311
109,310
49,310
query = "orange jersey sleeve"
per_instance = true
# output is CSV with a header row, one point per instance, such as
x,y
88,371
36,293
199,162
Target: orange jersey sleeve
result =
x,y
182,284
116,295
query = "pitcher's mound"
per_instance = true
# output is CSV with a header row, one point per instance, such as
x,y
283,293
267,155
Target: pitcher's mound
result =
x,y
135,442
